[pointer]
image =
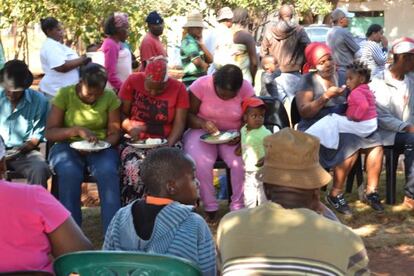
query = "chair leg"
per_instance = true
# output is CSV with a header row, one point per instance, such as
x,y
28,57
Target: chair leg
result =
x,y
390,175
229,189
55,188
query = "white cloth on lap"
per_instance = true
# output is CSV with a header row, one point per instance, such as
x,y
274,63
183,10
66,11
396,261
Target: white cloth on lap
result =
x,y
328,128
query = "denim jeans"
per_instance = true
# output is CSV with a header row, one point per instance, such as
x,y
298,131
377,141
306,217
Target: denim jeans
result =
x,y
405,141
69,166
287,85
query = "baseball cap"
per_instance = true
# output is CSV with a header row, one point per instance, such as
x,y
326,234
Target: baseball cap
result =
x,y
154,18
252,102
403,45
339,13
224,13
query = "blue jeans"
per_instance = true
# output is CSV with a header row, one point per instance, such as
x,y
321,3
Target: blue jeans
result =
x,y
286,85
69,166
405,141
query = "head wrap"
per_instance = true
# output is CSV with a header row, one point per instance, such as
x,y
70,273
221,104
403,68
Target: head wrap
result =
x,y
313,53
121,20
156,69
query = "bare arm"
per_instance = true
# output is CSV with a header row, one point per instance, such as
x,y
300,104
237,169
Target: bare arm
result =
x,y
114,127
196,122
178,126
308,107
56,132
127,124
68,237
72,64
207,55
247,39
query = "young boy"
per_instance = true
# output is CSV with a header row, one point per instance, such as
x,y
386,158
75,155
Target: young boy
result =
x,y
164,222
268,79
252,149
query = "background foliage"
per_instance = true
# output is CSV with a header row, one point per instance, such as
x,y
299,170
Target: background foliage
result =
x,y
83,18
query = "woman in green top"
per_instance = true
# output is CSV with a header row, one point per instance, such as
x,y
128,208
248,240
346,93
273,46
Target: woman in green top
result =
x,y
86,111
195,57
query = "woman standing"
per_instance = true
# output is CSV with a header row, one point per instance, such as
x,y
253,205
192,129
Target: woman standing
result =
x,y
215,104
118,62
154,106
374,51
59,62
195,56
86,111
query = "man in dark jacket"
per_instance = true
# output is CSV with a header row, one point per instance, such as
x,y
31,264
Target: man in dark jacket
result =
x,y
286,42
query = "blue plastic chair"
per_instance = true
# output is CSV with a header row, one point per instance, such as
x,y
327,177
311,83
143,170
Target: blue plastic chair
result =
x,y
122,263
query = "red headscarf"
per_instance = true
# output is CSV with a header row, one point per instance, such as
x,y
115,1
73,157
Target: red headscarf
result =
x,y
313,53
156,69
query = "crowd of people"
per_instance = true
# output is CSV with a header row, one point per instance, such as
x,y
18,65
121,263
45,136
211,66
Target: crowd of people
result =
x,y
349,100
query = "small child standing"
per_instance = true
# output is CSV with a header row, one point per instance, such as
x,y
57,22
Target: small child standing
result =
x,y
252,149
165,222
361,113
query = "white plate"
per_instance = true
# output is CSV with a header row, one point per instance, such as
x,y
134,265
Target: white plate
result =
x,y
143,145
222,138
90,147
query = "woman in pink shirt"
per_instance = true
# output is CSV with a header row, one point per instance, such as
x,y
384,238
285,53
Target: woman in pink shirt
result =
x,y
35,227
118,61
215,104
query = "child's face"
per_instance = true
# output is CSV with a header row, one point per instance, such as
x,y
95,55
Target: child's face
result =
x,y
255,117
269,65
187,186
353,80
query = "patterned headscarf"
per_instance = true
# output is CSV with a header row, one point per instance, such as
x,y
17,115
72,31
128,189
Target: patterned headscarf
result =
x,y
313,53
156,69
121,20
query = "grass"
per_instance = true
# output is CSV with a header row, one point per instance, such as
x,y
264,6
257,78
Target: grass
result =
x,y
393,227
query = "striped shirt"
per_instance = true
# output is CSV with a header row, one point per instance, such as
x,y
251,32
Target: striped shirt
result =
x,y
271,240
178,231
374,57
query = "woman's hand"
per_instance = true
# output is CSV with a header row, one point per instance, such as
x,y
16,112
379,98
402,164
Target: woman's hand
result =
x,y
210,127
135,132
334,92
234,141
87,134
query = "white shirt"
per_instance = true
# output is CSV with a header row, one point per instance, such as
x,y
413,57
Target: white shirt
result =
x,y
54,54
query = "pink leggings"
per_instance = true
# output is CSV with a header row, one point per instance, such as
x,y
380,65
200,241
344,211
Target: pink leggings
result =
x,y
205,155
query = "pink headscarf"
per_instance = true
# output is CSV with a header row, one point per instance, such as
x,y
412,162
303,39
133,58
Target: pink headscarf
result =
x,y
313,53
156,69
121,20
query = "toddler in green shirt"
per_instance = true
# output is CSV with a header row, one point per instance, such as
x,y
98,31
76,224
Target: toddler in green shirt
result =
x,y
252,149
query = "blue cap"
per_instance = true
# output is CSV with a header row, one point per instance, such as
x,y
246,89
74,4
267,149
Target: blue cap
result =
x,y
154,18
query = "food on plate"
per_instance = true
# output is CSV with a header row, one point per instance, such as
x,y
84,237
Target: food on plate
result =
x,y
153,141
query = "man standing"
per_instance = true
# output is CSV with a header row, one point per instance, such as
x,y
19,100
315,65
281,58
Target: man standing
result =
x,y
286,42
394,94
341,42
22,122
291,234
151,45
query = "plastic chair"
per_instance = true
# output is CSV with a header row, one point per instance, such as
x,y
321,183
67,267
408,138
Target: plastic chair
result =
x,y
391,162
294,113
122,263
276,114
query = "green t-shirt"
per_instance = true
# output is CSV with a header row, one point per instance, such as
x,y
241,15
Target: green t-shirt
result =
x,y
91,116
252,146
189,52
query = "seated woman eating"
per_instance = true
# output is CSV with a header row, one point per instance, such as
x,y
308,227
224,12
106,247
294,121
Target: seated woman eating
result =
x,y
153,106
216,105
86,111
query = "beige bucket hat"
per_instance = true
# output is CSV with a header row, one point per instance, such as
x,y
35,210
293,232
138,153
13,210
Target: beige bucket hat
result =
x,y
194,19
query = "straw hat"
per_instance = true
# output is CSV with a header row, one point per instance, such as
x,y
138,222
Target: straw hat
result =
x,y
224,13
292,160
194,19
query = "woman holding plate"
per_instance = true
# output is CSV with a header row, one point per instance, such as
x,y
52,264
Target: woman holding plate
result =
x,y
86,111
154,107
216,105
